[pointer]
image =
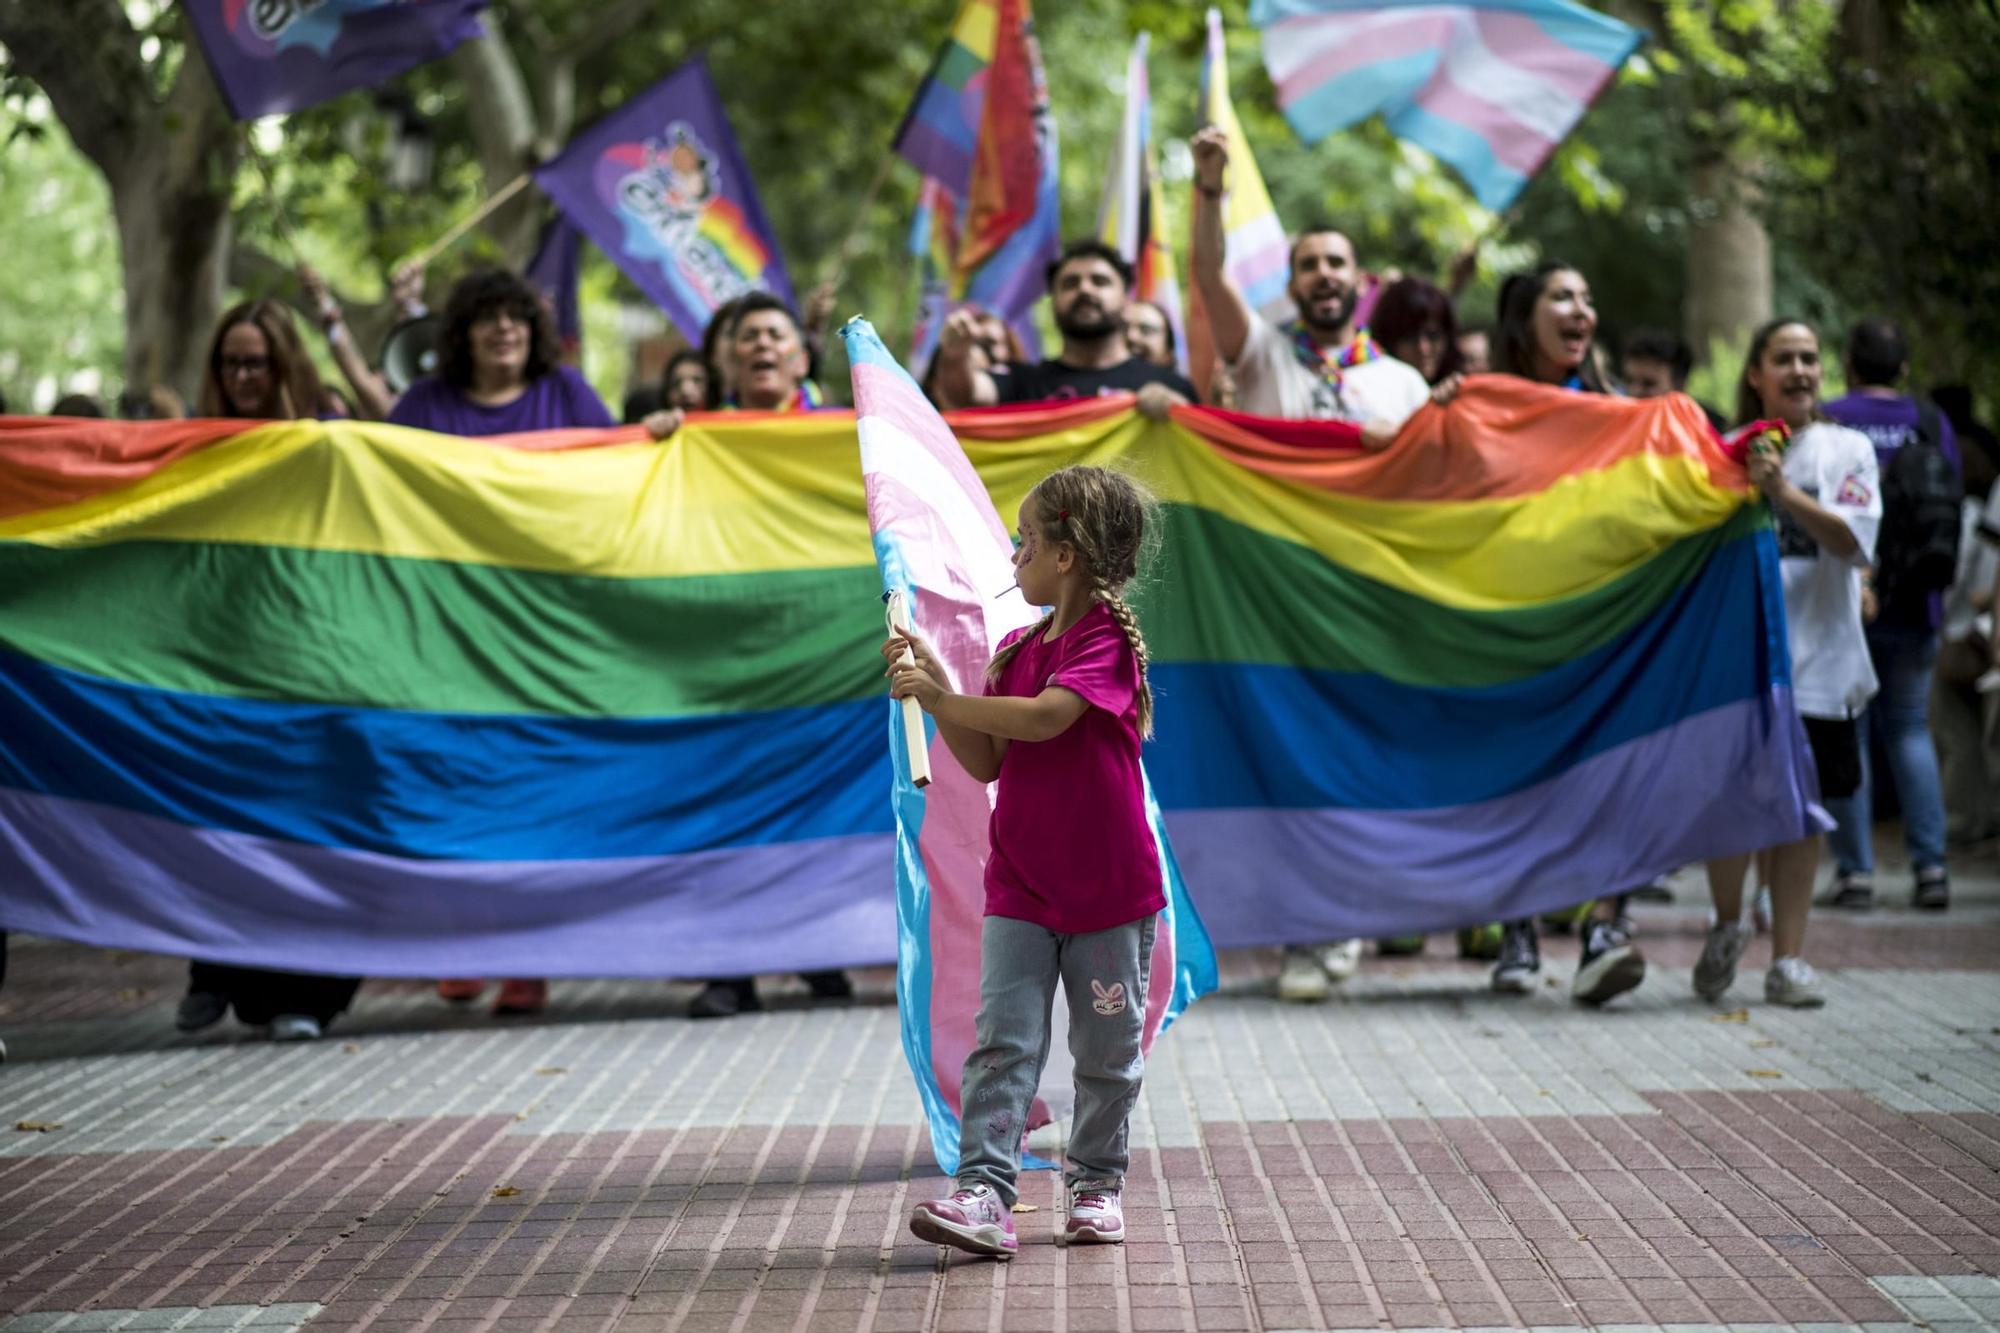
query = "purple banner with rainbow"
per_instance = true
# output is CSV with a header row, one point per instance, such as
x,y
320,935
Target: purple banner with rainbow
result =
x,y
661,188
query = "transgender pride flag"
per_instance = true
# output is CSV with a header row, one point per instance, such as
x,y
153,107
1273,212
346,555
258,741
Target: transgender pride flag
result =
x,y
1489,87
940,543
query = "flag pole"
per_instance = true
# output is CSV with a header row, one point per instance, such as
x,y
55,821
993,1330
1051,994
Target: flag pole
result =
x,y
860,223
423,257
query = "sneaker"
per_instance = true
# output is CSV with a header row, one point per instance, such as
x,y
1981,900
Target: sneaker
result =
x,y
1791,981
1716,971
1096,1215
521,995
972,1219
1302,978
461,990
829,987
726,999
296,1027
200,1009
3,1052
1852,892
1520,959
1932,892
1340,960
1611,964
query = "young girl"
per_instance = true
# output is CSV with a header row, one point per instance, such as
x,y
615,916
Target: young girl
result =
x,y
1073,881
1824,492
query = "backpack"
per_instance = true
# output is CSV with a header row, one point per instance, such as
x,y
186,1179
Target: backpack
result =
x,y
1917,552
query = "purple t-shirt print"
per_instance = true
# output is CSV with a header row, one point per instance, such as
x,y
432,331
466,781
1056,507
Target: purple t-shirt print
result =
x,y
558,400
1072,851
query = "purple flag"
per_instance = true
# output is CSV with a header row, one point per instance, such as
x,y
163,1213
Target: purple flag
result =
x,y
659,185
273,56
553,273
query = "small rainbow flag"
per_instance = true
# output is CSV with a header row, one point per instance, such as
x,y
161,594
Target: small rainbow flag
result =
x,y
980,131
1489,87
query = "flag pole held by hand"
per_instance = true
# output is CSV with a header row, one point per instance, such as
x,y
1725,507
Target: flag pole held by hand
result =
x,y
913,714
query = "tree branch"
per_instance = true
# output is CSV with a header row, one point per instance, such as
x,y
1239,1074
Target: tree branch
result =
x,y
85,56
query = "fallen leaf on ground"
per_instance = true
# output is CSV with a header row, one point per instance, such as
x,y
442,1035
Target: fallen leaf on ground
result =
x,y
218,1138
1763,1073
1763,1042
1027,1208
37,1126
546,1070
352,1047
1733,1016
504,1191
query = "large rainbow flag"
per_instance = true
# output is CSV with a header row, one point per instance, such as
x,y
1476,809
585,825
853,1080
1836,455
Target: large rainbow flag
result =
x,y
1133,210
356,698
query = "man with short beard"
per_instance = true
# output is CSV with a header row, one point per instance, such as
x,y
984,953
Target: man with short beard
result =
x,y
1088,288
1318,366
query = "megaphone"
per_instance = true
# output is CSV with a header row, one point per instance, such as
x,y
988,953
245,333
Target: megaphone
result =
x,y
411,351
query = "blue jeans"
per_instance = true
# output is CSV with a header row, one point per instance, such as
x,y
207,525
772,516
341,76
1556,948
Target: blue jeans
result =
x,y
1903,662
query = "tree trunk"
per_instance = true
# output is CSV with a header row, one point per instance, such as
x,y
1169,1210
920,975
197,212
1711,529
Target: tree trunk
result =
x,y
171,200
1729,255
505,133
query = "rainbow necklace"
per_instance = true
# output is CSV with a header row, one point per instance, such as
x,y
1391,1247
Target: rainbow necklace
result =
x,y
1329,362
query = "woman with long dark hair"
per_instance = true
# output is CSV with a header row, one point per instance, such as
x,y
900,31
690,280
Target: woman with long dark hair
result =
x,y
1547,327
258,367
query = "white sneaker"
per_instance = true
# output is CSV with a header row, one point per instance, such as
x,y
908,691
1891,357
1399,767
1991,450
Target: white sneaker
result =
x,y
1340,960
1302,979
1791,981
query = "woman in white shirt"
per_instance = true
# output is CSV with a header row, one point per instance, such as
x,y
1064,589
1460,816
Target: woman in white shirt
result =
x,y
1826,498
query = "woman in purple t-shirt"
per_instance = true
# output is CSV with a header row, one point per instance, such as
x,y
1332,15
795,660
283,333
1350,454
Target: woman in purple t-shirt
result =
x,y
1073,885
500,371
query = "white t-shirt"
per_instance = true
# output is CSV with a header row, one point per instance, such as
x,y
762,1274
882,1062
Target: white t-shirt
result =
x,y
1832,676
1271,381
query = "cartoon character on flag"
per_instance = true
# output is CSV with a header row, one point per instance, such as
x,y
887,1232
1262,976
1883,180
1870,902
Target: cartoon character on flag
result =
x,y
942,546
274,56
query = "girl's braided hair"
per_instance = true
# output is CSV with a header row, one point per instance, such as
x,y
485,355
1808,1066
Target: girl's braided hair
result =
x,y
1104,515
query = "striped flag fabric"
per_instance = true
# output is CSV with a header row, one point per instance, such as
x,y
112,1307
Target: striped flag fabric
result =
x,y
1488,87
979,127
941,543
1256,259
1129,217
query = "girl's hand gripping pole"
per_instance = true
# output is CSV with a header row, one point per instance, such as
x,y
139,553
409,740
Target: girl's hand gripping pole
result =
x,y
914,738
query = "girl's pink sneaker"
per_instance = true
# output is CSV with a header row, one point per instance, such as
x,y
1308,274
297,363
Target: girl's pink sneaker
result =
x,y
972,1219
1096,1215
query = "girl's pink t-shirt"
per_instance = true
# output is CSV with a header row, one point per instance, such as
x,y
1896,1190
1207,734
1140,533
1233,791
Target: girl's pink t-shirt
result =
x,y
1072,851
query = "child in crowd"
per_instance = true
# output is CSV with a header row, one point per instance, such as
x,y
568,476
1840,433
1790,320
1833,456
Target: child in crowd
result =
x,y
1826,496
1073,884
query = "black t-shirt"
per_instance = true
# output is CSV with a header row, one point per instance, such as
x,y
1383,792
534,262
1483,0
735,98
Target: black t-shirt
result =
x,y
1053,379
